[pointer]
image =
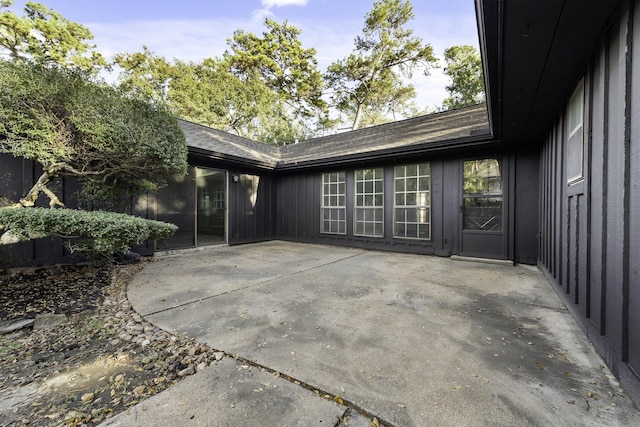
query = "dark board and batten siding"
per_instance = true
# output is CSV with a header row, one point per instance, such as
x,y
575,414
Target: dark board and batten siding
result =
x,y
16,179
299,195
590,230
252,208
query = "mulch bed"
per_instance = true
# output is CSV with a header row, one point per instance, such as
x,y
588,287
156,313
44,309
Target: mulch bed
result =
x,y
101,360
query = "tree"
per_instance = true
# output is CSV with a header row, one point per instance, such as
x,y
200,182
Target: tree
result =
x,y
144,75
289,71
464,67
206,92
73,127
370,80
45,36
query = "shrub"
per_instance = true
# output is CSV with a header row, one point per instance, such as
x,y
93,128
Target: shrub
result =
x,y
105,233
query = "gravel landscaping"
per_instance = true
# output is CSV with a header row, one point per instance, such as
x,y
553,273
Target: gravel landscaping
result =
x,y
74,352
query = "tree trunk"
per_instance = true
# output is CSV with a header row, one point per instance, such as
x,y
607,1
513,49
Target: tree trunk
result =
x,y
40,186
357,118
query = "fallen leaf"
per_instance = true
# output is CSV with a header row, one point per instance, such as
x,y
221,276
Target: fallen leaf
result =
x,y
87,397
374,422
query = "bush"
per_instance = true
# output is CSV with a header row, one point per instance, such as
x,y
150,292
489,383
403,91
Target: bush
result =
x,y
105,233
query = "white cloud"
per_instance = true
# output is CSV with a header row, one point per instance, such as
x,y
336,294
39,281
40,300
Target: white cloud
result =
x,y
259,15
280,3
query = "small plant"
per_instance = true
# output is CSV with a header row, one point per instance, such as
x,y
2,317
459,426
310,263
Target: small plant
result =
x,y
93,232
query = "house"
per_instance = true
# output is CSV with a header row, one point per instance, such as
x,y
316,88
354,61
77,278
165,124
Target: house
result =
x,y
546,173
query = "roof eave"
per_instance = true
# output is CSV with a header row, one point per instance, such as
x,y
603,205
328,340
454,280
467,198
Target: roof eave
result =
x,y
231,159
385,154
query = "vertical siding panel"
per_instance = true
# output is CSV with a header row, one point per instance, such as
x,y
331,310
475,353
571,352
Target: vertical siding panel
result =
x,y
582,282
586,265
615,180
560,201
542,223
596,188
570,259
634,206
549,205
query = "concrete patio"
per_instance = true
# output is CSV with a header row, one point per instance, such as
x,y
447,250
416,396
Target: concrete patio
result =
x,y
410,340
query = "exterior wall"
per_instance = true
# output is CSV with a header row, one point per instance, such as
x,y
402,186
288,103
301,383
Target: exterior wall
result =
x,y
252,208
590,229
16,179
299,205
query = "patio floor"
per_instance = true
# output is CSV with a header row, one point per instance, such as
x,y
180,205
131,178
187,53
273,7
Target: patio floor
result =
x,y
412,340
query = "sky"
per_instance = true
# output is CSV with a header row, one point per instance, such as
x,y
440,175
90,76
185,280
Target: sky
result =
x,y
192,30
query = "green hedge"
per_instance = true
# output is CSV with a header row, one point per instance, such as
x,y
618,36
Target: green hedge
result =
x,y
106,233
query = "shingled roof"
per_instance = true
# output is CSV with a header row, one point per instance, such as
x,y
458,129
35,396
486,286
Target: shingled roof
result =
x,y
433,131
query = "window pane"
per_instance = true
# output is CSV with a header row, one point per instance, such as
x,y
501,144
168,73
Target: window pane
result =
x,y
412,184
412,190
332,211
482,177
369,193
483,213
423,183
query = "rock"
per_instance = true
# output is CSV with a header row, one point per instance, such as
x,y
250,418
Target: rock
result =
x,y
84,314
201,366
129,258
189,370
8,327
125,337
48,320
135,329
87,397
218,355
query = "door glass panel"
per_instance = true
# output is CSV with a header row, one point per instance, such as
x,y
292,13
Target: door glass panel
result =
x,y
176,204
482,195
211,196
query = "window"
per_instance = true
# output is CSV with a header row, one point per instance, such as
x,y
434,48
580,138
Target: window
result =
x,y
575,140
412,201
333,205
482,195
369,203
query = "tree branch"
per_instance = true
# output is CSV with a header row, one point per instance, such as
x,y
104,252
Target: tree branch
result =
x,y
40,186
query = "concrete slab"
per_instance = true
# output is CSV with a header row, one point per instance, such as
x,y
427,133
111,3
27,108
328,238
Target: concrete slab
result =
x,y
231,394
413,340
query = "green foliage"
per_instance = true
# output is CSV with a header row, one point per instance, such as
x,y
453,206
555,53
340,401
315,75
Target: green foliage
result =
x,y
464,67
45,36
74,127
266,87
287,68
106,233
144,75
370,80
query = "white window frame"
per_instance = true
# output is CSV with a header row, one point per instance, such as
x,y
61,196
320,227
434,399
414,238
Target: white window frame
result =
x,y
406,199
369,201
333,201
575,136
